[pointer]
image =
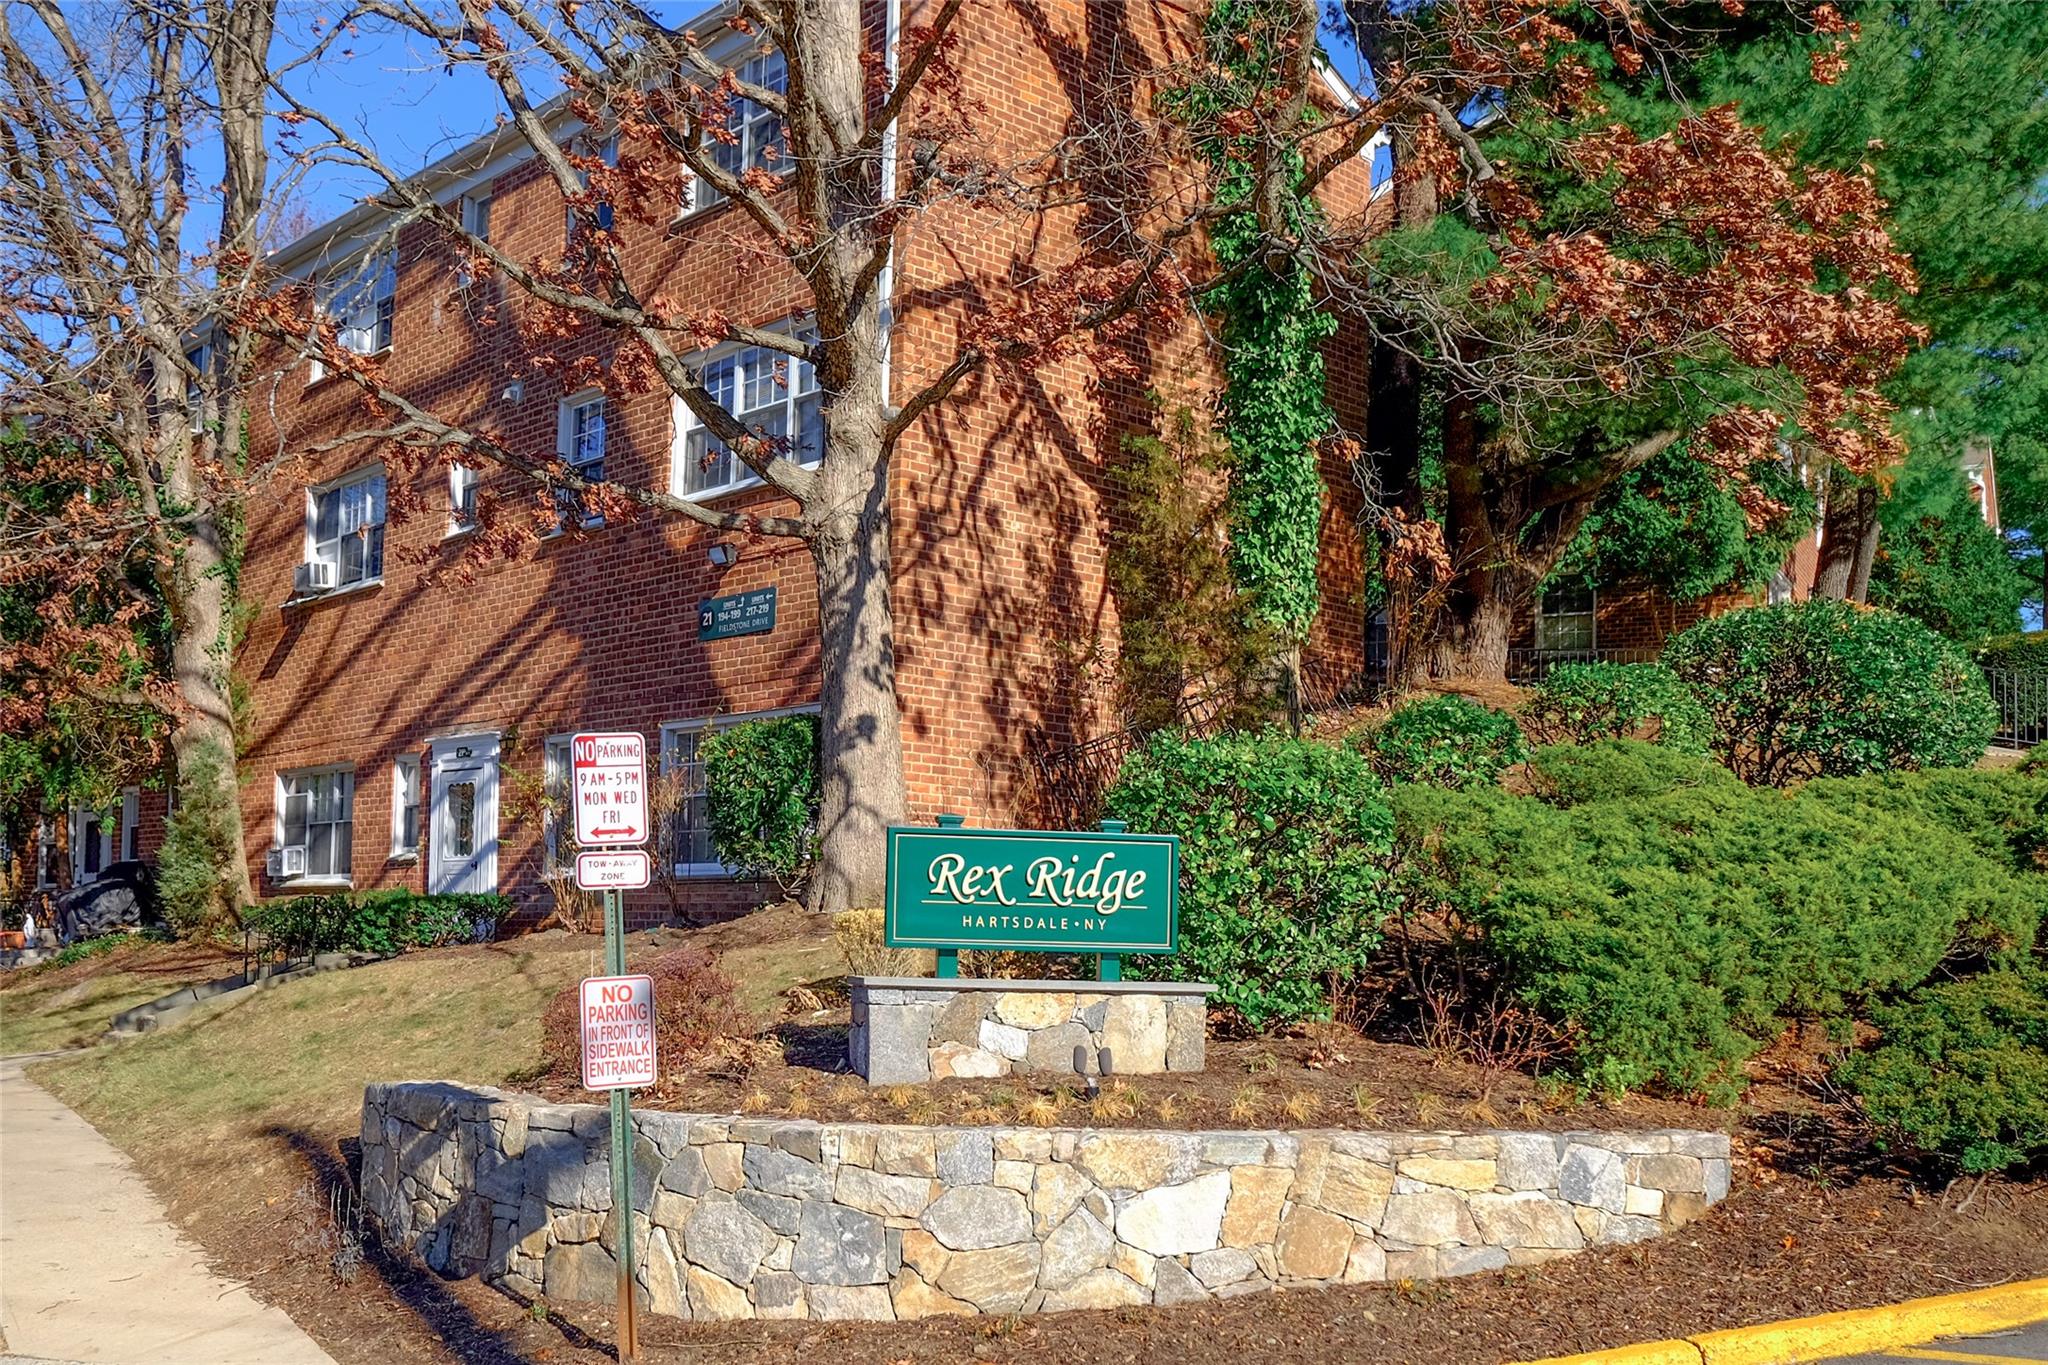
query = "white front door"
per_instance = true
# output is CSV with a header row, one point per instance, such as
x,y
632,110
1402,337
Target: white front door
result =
x,y
462,852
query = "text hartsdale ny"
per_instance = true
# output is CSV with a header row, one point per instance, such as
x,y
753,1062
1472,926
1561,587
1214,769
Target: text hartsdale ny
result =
x,y
1048,882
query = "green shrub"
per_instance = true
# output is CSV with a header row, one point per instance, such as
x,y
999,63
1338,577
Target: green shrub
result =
x,y
1830,689
761,797
2026,653
1580,703
1283,877
1618,769
1445,741
199,841
1674,934
375,921
1961,1069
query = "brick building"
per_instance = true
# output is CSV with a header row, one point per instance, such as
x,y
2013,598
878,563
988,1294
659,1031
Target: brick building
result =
x,y
403,724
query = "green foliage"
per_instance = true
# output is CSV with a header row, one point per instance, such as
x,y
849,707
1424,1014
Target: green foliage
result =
x,y
1618,770
1182,616
199,847
1676,523
1821,688
1962,1069
86,948
1674,933
761,796
1275,406
1284,883
1578,703
376,921
1950,570
1445,741
2025,653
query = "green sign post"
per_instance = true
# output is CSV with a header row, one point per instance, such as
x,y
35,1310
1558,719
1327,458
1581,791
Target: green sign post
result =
x,y
1039,891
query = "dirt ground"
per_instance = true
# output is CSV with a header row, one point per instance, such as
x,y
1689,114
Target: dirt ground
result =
x,y
252,1155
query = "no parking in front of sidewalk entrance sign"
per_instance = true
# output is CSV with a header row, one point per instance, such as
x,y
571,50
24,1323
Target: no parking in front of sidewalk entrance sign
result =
x,y
618,1032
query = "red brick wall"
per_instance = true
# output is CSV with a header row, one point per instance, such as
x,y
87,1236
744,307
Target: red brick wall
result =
x,y
1006,626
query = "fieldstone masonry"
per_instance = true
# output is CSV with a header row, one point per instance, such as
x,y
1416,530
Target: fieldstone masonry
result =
x,y
909,1029
788,1218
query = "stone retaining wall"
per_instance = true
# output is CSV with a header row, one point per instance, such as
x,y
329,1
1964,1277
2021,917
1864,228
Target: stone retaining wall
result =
x,y
787,1218
910,1029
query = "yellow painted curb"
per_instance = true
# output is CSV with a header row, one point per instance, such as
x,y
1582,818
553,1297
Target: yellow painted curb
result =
x,y
1839,1334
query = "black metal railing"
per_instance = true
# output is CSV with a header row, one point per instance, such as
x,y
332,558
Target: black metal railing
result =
x,y
2022,699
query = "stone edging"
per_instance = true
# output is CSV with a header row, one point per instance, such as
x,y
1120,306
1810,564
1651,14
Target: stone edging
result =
x,y
789,1218
907,1030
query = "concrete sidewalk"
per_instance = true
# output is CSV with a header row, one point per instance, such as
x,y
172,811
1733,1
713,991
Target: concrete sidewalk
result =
x,y
90,1268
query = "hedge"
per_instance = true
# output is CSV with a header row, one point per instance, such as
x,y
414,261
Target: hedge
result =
x,y
1446,741
761,797
375,921
1284,878
1830,689
1581,703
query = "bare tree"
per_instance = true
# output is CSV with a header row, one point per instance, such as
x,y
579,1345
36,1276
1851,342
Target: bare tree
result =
x,y
121,269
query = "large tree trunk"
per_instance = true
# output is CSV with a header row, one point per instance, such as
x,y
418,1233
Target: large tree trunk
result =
x,y
201,663
859,727
1849,521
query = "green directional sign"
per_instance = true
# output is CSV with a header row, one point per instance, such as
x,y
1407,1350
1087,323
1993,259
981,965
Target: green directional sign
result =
x,y
746,613
1036,890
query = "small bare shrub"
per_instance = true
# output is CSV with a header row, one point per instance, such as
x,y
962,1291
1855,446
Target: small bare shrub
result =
x,y
697,1014
858,934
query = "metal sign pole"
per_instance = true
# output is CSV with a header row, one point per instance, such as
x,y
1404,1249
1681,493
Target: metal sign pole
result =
x,y
622,1142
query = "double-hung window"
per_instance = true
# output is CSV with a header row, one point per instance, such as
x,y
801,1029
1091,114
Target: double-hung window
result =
x,y
345,528
200,358
756,131
405,806
773,394
462,482
362,301
686,843
601,218
1564,620
46,853
316,812
580,442
555,813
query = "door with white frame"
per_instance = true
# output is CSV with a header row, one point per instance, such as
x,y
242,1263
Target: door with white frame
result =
x,y
462,844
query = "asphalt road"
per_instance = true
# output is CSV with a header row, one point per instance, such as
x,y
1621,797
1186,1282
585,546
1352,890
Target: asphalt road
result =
x,y
2020,1346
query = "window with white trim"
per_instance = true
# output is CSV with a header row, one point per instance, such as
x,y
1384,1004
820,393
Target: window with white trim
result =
x,y
462,483
554,804
46,853
772,393
757,132
316,812
475,215
199,358
579,441
345,527
131,824
608,153
362,302
405,806
687,841
1564,620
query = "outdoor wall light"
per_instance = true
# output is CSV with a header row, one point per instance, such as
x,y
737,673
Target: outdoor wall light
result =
x,y
724,554
513,392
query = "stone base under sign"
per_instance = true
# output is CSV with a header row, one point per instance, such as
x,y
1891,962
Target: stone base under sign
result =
x,y
908,1029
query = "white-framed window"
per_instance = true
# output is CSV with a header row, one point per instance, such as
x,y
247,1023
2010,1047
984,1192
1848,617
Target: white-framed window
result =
x,y
555,803
362,300
405,806
462,483
345,527
757,132
579,441
476,213
772,393
1565,620
131,825
199,358
688,839
608,153
46,853
316,812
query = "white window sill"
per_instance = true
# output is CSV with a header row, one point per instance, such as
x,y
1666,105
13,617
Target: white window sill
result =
x,y
406,856
463,529
365,585
317,884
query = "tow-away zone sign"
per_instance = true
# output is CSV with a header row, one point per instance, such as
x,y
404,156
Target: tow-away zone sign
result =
x,y
618,1032
624,869
608,784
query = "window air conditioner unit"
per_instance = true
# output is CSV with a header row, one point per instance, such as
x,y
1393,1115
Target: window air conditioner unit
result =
x,y
312,578
283,864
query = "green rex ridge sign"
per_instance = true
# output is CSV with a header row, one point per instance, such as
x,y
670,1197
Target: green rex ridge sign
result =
x,y
1041,891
